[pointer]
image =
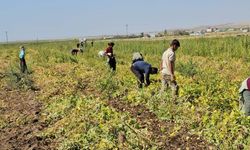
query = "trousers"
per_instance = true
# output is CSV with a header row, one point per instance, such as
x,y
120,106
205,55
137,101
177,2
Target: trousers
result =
x,y
23,66
166,82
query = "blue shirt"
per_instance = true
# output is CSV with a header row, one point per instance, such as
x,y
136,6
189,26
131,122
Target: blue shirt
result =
x,y
22,54
143,67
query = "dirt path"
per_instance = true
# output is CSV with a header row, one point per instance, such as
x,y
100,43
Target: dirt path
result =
x,y
160,130
21,111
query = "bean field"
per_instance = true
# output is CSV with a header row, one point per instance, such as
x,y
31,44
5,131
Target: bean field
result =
x,y
76,102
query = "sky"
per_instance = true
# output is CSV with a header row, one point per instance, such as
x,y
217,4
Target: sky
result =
x,y
59,19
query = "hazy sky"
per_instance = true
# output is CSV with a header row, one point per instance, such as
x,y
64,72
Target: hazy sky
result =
x,y
49,19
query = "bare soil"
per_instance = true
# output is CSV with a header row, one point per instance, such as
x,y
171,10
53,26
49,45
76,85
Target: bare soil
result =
x,y
21,113
161,130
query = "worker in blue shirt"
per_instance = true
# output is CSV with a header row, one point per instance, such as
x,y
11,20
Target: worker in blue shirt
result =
x,y
22,59
141,68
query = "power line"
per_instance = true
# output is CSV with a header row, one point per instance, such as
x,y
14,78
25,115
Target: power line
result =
x,y
127,29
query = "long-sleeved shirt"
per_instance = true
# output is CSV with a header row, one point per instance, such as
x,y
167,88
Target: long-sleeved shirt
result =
x,y
22,54
143,67
109,50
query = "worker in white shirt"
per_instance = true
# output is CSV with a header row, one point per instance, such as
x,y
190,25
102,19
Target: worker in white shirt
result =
x,y
168,68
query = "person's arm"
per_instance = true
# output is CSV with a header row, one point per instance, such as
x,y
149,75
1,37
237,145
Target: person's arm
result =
x,y
147,74
161,65
108,52
171,66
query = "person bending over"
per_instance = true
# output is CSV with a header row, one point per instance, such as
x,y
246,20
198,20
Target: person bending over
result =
x,y
140,69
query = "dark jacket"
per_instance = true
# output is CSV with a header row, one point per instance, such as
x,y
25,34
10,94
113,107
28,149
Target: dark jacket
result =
x,y
144,68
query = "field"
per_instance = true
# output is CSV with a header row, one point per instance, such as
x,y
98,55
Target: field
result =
x,y
76,102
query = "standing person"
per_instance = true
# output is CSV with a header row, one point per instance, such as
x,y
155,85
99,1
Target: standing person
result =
x,y
168,68
81,42
23,65
141,68
85,42
78,47
244,101
111,57
92,43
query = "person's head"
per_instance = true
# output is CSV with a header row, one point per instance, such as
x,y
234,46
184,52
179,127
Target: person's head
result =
x,y
111,44
175,44
153,70
22,47
78,45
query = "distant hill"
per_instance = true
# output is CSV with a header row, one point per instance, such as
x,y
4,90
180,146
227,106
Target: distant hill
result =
x,y
222,26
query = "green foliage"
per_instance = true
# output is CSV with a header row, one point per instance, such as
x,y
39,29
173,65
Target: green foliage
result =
x,y
108,85
72,146
75,90
17,80
64,58
86,123
188,69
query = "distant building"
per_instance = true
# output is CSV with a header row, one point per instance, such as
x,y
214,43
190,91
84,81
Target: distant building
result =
x,y
160,34
218,30
209,30
152,35
245,30
198,33
231,29
148,35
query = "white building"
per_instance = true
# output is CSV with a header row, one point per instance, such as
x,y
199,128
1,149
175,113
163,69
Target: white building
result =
x,y
209,30
245,30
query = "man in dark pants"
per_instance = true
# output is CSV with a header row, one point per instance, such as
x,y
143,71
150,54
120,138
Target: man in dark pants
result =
x,y
111,57
139,68
92,43
23,65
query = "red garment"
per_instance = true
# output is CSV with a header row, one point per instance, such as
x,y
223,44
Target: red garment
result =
x,y
109,50
248,84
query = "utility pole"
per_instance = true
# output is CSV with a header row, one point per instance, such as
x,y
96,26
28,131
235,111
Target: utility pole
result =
x,y
127,29
6,33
